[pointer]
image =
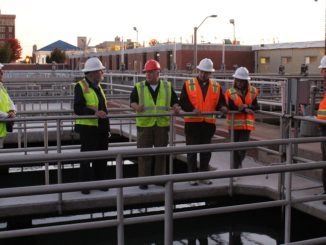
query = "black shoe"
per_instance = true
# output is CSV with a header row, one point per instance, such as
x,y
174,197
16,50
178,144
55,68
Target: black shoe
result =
x,y
324,202
104,189
85,192
143,187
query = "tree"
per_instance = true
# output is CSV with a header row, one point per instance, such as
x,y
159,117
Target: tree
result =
x,y
16,49
57,55
5,52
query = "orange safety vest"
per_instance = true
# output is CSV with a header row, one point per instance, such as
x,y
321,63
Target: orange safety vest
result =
x,y
207,104
321,114
242,121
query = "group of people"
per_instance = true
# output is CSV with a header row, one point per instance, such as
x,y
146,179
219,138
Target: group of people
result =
x,y
200,95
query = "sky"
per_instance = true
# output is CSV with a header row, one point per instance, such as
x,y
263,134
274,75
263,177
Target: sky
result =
x,y
42,22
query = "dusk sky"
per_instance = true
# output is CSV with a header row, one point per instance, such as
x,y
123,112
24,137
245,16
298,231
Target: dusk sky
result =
x,y
42,22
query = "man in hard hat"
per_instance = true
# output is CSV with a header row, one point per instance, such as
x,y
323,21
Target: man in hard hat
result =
x,y
321,114
241,97
201,94
151,96
94,133
7,109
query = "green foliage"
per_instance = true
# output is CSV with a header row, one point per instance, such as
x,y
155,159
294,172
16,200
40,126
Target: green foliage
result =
x,y
5,52
57,55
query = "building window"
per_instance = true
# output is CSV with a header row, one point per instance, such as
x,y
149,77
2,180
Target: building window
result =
x,y
286,60
264,60
310,59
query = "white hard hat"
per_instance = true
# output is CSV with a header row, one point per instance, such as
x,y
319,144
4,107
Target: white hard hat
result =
x,y
322,62
1,66
206,65
93,64
241,73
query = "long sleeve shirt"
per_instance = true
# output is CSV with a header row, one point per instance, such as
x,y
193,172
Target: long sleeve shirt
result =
x,y
4,114
187,106
80,107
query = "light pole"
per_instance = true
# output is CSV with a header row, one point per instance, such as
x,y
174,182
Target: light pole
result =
x,y
195,37
136,30
233,23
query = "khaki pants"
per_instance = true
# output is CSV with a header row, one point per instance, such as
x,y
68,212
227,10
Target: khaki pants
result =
x,y
148,137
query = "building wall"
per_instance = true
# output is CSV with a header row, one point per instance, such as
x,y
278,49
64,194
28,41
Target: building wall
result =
x,y
7,26
291,58
235,56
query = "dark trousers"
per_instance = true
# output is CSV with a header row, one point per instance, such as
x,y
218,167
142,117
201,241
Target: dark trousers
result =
x,y
238,156
93,139
148,137
197,134
323,151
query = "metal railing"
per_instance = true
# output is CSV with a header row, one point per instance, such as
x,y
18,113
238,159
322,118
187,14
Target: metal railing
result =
x,y
168,180
285,194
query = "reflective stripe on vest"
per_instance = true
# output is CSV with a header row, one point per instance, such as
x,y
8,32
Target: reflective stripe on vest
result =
x,y
162,105
321,113
5,107
208,104
242,121
91,102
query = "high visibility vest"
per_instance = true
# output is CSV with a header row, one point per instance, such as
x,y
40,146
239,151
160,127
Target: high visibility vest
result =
x,y
321,114
242,121
91,102
162,105
207,104
5,107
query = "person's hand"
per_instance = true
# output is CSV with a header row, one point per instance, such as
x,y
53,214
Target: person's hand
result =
x,y
242,107
139,108
249,111
176,108
197,111
101,114
11,114
224,110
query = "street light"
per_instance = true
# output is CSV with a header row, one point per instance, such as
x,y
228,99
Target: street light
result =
x,y
195,37
233,23
325,31
136,30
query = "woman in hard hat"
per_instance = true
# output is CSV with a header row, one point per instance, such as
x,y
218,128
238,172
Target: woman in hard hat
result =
x,y
242,97
7,109
153,96
89,99
201,94
321,114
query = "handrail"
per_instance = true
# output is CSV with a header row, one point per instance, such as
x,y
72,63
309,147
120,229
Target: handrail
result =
x,y
120,183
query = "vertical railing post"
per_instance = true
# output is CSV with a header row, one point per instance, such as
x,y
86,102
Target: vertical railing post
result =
x,y
46,151
231,131
59,173
25,137
171,142
119,175
288,185
168,217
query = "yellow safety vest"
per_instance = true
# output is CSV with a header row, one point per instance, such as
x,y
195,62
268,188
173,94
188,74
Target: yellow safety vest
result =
x,y
91,102
162,105
5,107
